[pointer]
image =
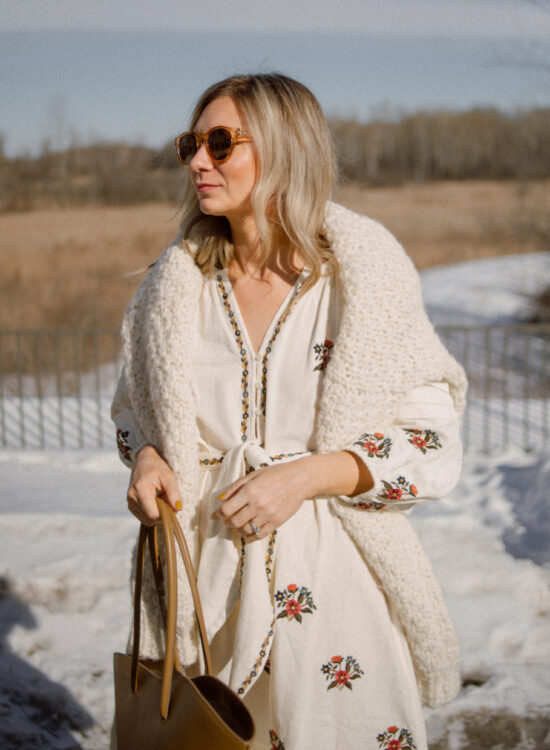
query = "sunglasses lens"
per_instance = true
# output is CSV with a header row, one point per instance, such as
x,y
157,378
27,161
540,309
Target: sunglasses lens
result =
x,y
220,144
187,148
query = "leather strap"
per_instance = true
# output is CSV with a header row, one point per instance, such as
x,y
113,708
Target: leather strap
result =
x,y
171,530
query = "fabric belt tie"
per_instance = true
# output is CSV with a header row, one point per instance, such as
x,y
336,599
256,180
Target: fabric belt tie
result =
x,y
228,565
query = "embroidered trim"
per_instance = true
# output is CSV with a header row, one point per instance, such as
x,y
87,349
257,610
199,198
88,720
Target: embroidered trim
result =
x,y
269,346
211,461
241,564
280,456
242,352
269,555
264,649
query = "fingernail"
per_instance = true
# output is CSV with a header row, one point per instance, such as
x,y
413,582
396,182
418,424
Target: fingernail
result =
x,y
221,497
179,506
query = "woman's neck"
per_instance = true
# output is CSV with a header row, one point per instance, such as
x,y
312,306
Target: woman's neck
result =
x,y
249,256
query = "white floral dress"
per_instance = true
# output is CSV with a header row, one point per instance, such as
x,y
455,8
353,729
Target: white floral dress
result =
x,y
298,623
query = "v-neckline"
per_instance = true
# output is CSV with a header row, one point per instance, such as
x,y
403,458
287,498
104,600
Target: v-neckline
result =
x,y
286,302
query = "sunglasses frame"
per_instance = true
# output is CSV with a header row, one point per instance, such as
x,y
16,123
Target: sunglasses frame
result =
x,y
237,136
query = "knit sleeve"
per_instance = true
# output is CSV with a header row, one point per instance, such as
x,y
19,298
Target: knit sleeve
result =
x,y
417,458
129,437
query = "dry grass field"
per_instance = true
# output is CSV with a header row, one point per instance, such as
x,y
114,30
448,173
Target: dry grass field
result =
x,y
68,267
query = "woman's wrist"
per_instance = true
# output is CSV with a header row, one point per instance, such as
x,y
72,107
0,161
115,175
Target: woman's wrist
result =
x,y
340,473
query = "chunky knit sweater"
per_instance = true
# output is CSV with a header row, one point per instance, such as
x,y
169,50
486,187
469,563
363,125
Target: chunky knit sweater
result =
x,y
385,347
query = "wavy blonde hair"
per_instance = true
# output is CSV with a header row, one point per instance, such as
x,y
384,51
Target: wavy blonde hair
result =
x,y
296,173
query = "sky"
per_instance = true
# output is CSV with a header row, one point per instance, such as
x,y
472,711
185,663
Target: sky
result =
x,y
75,71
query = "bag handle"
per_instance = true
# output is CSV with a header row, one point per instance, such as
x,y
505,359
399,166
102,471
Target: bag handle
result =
x,y
171,530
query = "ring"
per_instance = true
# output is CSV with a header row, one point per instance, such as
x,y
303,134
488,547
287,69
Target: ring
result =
x,y
255,529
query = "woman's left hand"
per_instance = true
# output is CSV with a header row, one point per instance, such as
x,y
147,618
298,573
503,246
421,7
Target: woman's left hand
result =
x,y
268,497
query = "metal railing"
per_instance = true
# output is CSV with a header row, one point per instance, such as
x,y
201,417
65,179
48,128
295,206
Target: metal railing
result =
x,y
56,387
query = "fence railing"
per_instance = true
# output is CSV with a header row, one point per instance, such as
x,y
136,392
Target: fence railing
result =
x,y
56,387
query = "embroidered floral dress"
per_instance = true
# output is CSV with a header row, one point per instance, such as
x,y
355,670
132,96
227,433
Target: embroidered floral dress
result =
x,y
298,623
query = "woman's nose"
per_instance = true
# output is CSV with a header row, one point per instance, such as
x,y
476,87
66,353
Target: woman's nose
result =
x,y
201,160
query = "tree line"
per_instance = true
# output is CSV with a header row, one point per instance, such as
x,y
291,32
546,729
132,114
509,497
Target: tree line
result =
x,y
481,143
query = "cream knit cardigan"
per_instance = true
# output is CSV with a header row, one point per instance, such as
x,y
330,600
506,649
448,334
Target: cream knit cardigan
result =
x,y
385,347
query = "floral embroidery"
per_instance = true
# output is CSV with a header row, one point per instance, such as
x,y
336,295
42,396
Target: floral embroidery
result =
x,y
398,490
276,742
369,506
395,738
270,343
375,444
322,354
294,602
244,358
123,445
424,440
342,671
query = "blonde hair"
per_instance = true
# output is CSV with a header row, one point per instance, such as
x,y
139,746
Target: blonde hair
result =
x,y
296,173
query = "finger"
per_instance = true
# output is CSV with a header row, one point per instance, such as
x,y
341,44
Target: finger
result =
x,y
170,492
142,502
228,508
232,489
265,530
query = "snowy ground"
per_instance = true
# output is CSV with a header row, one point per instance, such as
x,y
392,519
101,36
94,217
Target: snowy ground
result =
x,y
65,606
66,540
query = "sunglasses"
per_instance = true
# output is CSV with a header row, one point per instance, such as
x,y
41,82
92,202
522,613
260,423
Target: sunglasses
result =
x,y
219,141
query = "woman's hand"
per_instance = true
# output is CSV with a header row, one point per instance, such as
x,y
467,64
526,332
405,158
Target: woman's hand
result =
x,y
270,496
151,477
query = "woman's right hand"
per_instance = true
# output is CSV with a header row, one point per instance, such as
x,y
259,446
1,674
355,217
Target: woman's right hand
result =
x,y
151,477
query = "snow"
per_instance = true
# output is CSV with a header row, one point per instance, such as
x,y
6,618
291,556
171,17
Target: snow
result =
x,y
66,546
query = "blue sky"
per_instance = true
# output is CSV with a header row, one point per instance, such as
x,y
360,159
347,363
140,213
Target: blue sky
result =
x,y
75,70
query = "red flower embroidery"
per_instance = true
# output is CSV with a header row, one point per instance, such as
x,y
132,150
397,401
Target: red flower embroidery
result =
x,y
294,602
397,490
394,745
394,494
370,447
341,677
424,440
292,608
340,672
392,729
378,435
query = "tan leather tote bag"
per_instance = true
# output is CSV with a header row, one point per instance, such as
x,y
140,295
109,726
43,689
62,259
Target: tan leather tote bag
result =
x,y
157,706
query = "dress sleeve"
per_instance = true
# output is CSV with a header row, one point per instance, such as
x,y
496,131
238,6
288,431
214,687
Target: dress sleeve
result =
x,y
418,458
129,437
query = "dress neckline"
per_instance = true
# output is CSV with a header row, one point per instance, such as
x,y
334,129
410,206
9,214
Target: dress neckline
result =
x,y
279,314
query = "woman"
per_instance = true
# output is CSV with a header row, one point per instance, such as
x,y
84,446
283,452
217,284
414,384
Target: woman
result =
x,y
286,394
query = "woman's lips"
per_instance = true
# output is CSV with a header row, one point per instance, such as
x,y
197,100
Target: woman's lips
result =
x,y
203,187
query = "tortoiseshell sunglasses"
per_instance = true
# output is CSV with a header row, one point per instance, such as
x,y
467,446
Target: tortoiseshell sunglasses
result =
x,y
219,141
